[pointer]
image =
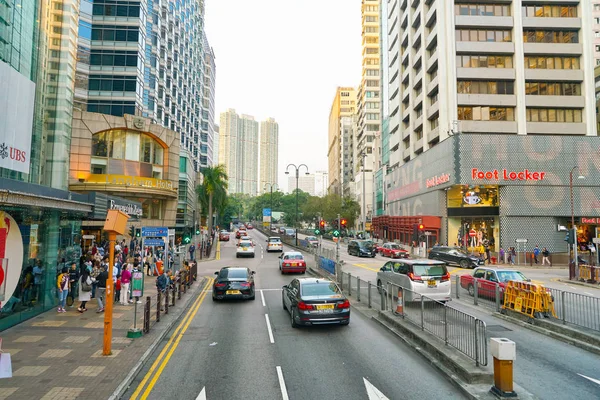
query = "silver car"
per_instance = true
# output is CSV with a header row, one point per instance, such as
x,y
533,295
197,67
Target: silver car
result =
x,y
421,277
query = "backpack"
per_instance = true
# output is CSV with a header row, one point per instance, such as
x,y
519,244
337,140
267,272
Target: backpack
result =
x,y
85,287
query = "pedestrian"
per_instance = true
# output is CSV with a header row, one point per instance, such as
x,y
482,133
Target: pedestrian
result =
x,y
545,256
101,289
536,253
147,266
63,289
502,254
513,255
117,289
192,249
85,291
488,253
38,272
73,281
125,280
161,284
27,283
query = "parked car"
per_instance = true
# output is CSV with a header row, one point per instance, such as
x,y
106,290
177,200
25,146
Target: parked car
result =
x,y
224,236
361,248
274,244
487,278
315,301
378,248
292,261
312,241
454,255
428,278
393,250
233,283
245,248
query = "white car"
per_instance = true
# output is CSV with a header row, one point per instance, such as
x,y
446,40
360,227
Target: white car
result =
x,y
420,276
274,244
245,248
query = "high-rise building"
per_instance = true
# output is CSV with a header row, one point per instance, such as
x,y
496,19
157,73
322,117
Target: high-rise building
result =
x,y
209,153
306,183
596,30
321,183
348,154
216,146
492,109
238,151
344,105
269,153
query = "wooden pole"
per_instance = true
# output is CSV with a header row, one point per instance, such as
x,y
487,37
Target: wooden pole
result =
x,y
108,306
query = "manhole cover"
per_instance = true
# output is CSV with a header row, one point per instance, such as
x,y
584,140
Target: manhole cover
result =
x,y
498,328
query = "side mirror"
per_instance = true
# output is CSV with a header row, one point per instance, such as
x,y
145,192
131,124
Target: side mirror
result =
x,y
216,272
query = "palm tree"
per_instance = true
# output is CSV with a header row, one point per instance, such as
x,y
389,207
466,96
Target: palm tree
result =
x,y
214,187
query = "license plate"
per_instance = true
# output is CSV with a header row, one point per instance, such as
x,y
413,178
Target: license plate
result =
x,y
244,248
327,311
294,264
432,283
233,292
325,307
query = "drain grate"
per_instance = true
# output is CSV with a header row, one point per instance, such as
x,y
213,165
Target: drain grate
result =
x,y
498,328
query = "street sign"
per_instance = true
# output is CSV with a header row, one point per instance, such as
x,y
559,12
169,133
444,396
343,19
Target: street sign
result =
x,y
520,240
89,237
266,212
155,231
154,242
137,283
428,233
596,240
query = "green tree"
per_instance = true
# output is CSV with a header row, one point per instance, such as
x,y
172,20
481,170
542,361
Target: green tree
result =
x,y
213,191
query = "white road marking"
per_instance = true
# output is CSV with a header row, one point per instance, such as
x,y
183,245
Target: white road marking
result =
x,y
202,395
262,296
372,392
270,290
588,293
213,344
269,328
590,379
282,383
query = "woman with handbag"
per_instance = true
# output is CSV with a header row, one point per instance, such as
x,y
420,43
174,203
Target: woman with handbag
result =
x,y
85,293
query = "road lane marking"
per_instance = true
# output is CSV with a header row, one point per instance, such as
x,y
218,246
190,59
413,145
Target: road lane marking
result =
x,y
202,395
457,270
282,383
270,290
364,266
372,392
269,328
590,379
262,297
218,255
164,351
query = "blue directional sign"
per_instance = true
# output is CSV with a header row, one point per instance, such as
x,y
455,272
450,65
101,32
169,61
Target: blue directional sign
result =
x,y
154,242
266,212
155,231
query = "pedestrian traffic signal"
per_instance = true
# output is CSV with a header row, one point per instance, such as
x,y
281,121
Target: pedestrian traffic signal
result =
x,y
421,227
570,238
336,233
197,229
344,223
317,231
186,239
138,232
131,230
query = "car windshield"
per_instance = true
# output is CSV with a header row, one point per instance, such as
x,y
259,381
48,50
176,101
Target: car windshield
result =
x,y
394,246
505,276
455,252
429,270
274,240
295,257
311,238
320,289
365,245
245,244
233,273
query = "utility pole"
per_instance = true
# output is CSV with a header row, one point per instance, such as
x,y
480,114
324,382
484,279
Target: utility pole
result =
x,y
338,268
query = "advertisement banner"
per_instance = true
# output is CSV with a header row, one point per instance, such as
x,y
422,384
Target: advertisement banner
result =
x,y
11,255
137,284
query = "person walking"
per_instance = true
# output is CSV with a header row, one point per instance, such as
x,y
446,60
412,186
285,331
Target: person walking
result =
x,y
545,256
192,249
513,255
161,284
536,253
101,289
125,280
63,289
73,281
85,289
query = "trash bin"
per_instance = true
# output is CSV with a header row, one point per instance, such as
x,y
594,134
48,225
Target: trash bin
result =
x,y
494,260
159,267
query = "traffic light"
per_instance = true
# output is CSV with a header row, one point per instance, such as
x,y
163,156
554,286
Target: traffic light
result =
x,y
344,223
317,231
421,227
322,224
415,233
186,239
138,232
197,229
131,230
570,238
336,233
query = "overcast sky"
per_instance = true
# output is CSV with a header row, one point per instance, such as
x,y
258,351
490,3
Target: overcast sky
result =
x,y
284,59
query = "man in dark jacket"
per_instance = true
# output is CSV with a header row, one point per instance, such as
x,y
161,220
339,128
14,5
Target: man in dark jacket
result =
x,y
74,280
101,290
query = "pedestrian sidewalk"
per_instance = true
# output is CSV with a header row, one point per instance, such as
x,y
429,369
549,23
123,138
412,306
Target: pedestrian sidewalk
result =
x,y
59,355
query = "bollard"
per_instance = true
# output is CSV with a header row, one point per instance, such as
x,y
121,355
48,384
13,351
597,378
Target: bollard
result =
x,y
358,288
498,297
476,293
446,324
563,307
167,299
179,292
458,287
382,298
505,353
422,313
147,314
369,293
349,284
158,299
174,294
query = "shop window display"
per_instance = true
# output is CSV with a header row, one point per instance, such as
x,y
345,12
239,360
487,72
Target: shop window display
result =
x,y
473,196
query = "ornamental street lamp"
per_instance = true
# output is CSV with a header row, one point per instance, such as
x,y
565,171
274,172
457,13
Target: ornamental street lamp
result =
x,y
573,272
271,185
297,176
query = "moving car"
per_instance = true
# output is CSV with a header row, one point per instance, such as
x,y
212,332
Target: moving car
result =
x,y
292,261
245,248
393,250
454,255
234,283
422,277
315,301
249,226
312,241
224,236
240,232
487,278
274,244
361,248
282,230
290,232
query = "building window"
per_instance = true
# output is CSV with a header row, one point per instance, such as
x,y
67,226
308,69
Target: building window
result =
x,y
553,88
473,61
550,11
546,36
554,115
486,87
488,10
434,123
115,33
482,35
542,62
486,113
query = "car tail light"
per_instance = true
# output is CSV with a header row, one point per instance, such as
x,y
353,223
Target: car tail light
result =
x,y
446,277
344,304
303,264
245,284
303,306
414,277
220,284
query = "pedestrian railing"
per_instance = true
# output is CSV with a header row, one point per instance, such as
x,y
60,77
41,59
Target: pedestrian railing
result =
x,y
577,309
455,328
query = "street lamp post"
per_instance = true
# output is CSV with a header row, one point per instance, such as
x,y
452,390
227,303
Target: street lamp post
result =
x,y
271,203
573,273
297,176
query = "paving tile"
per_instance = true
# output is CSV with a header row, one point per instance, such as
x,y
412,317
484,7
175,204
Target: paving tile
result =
x,y
12,352
121,340
87,371
62,393
94,325
98,354
76,339
55,353
6,392
28,339
30,371
54,324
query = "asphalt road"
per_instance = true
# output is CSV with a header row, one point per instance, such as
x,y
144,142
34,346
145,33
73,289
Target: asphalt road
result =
x,y
228,352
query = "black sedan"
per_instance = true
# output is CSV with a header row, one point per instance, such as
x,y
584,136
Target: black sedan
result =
x,y
234,283
454,255
315,301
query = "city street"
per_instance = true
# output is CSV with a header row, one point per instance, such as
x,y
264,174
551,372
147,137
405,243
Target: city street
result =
x,y
248,349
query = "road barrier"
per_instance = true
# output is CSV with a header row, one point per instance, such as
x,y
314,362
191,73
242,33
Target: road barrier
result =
x,y
577,309
588,273
528,299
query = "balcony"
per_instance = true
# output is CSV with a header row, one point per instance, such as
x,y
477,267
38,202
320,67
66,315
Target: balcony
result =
x,y
418,145
418,122
433,134
406,115
432,62
430,17
433,110
431,86
431,39
406,154
481,21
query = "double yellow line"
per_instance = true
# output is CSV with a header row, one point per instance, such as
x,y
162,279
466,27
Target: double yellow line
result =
x,y
169,348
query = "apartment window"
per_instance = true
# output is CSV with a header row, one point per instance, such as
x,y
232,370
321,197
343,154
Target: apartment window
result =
x,y
114,58
553,88
552,62
371,18
115,83
434,123
474,61
553,115
546,36
419,111
419,134
372,83
372,29
115,33
372,51
482,35
123,9
372,116
486,113
488,10
372,72
485,87
434,98
550,11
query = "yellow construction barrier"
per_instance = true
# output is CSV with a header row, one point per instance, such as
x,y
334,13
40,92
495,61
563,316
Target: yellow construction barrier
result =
x,y
528,299
585,273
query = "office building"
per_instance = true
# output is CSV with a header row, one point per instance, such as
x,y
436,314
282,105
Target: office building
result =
x,y
344,105
486,124
321,183
269,153
348,127
306,183
596,30
209,153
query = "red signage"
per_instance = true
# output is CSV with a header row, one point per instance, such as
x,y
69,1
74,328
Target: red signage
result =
x,y
437,180
593,221
525,175
472,233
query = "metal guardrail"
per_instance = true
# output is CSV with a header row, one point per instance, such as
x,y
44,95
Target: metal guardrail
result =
x,y
455,328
